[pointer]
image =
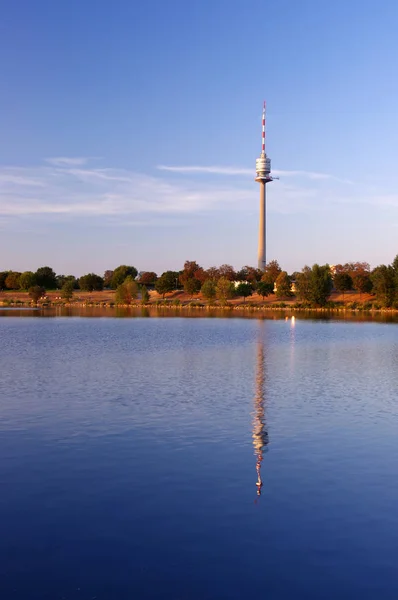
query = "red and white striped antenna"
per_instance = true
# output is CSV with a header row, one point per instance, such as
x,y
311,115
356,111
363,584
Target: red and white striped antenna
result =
x,y
263,136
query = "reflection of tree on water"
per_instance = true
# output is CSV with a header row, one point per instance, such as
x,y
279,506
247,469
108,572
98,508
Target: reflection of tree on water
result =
x,y
260,432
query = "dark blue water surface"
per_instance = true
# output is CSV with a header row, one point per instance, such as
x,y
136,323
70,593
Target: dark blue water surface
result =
x,y
132,453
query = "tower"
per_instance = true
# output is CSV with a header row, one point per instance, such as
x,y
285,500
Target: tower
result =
x,y
263,176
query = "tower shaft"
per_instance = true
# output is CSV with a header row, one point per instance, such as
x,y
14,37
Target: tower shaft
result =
x,y
262,228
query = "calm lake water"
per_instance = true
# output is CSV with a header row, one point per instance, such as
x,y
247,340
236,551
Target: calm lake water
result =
x,y
198,459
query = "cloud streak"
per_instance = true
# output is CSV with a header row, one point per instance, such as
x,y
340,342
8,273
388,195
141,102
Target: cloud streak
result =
x,y
65,161
225,170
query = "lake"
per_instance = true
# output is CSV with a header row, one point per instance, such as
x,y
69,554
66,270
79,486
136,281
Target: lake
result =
x,y
197,458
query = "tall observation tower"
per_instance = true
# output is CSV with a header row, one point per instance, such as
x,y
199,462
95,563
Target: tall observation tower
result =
x,y
263,176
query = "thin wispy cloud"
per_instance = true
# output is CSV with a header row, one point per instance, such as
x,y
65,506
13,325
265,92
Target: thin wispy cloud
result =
x,y
221,170
122,195
70,161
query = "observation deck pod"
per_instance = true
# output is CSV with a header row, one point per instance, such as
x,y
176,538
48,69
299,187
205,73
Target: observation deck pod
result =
x,y
263,169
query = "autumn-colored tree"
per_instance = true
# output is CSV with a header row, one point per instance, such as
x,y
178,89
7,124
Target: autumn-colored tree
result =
x,y
212,273
362,283
208,289
271,272
147,278
283,285
224,290
227,272
12,280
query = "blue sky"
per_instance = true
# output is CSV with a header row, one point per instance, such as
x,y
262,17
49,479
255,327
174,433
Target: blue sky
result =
x,y
129,132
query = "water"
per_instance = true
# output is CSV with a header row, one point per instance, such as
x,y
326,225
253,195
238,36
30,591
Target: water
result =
x,y
132,453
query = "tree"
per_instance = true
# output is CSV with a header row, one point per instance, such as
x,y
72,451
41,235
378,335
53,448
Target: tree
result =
x,y
283,285
271,272
167,282
383,279
342,282
12,280
224,290
227,272
362,282
27,280
108,278
144,295
120,274
46,278
212,273
264,288
147,278
208,289
62,279
36,292
303,284
314,285
192,272
244,289
191,286
67,290
127,291
91,282
3,277
321,284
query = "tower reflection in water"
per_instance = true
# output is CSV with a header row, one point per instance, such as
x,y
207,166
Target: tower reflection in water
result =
x,y
260,431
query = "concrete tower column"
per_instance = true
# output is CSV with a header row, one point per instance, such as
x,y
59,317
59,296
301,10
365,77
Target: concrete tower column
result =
x,y
262,229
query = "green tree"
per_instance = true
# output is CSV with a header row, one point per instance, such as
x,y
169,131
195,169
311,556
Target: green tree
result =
x,y
342,282
383,280
208,289
314,285
144,295
167,282
67,290
36,292
127,291
27,280
244,289
3,277
45,277
283,285
120,274
191,286
264,288
12,280
91,282
224,290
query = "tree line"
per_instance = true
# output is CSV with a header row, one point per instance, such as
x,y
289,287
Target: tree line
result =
x,y
312,285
